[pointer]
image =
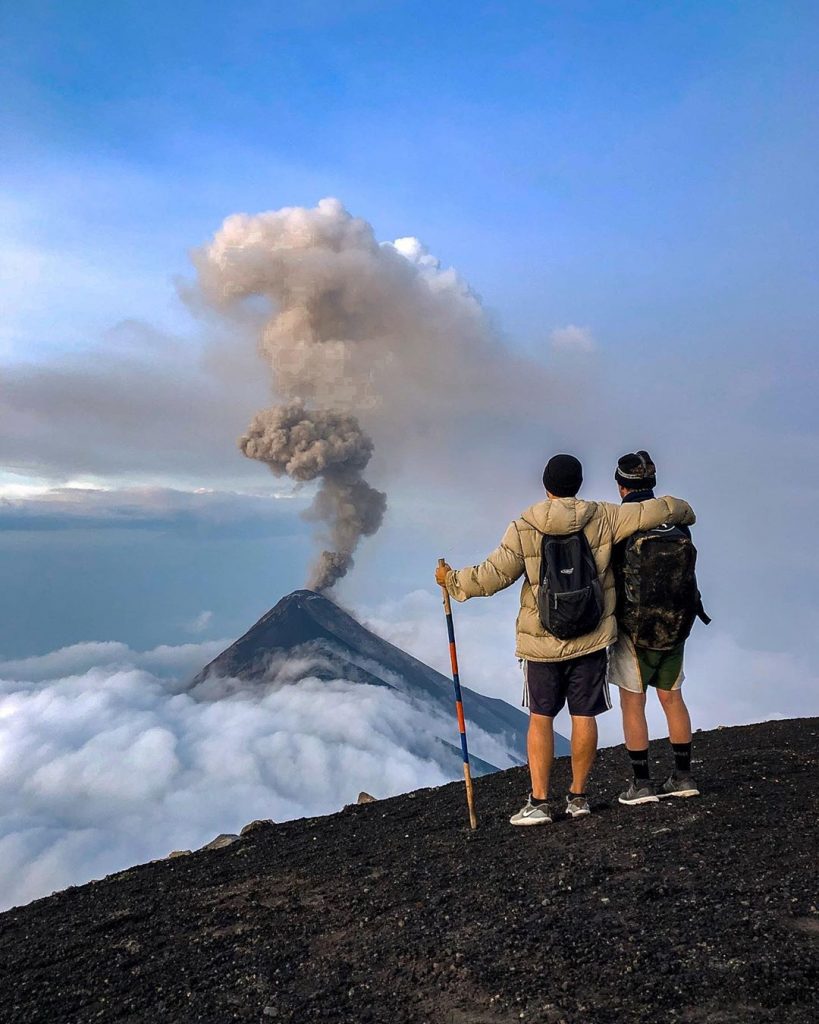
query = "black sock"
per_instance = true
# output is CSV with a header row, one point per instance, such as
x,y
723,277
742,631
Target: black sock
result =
x,y
572,795
682,757
639,762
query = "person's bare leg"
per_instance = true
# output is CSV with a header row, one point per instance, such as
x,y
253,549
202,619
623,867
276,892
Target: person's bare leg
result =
x,y
584,748
679,732
635,726
540,747
676,713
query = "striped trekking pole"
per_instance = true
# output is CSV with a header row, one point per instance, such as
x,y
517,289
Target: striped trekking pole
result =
x,y
459,707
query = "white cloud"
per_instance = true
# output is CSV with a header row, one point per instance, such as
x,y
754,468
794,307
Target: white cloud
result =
x,y
572,338
200,623
182,660
87,505
104,763
141,403
485,634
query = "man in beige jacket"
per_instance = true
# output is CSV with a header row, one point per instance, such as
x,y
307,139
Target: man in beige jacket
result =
x,y
555,670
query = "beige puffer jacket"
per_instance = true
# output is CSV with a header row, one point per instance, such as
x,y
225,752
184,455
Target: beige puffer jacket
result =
x,y
519,555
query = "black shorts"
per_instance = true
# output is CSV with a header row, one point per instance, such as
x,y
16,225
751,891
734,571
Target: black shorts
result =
x,y
580,681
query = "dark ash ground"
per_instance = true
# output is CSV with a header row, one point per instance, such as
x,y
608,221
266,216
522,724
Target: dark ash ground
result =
x,y
703,910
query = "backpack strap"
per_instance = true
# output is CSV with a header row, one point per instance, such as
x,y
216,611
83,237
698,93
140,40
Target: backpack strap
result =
x,y
702,615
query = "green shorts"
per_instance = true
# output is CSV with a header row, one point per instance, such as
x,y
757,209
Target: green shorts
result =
x,y
635,668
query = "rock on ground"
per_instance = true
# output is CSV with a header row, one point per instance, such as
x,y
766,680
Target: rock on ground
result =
x,y
222,840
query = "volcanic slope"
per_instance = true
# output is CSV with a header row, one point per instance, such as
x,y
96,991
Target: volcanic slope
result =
x,y
307,634
701,911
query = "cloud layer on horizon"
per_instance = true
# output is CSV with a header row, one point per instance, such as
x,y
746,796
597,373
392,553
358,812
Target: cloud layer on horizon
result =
x,y
209,512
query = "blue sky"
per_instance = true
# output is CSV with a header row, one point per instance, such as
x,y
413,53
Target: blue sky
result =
x,y
646,171
602,161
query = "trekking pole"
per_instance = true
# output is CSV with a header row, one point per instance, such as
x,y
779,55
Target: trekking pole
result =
x,y
459,707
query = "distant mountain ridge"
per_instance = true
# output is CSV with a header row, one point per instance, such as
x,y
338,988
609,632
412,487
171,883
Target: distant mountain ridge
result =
x,y
307,625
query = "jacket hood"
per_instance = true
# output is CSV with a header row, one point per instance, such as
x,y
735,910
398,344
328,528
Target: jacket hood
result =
x,y
560,516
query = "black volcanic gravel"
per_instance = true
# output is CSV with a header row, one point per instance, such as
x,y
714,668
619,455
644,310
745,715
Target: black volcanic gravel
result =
x,y
701,910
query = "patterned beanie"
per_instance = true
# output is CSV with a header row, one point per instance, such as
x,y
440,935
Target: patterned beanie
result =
x,y
636,472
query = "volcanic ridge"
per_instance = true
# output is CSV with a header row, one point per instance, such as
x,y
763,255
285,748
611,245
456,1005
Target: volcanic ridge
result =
x,y
701,911
309,634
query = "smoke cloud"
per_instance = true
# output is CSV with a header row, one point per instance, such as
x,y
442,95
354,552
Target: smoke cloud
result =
x,y
332,447
364,341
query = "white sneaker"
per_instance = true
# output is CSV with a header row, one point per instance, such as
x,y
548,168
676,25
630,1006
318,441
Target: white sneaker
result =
x,y
577,806
678,785
532,814
641,791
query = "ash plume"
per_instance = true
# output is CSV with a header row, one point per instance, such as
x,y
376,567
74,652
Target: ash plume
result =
x,y
363,340
307,444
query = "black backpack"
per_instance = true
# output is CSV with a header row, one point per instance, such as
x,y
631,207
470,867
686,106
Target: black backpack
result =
x,y
657,594
570,595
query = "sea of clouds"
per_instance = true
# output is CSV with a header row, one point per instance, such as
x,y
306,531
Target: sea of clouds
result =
x,y
106,760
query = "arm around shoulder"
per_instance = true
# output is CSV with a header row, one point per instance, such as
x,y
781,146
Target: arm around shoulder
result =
x,y
645,515
680,512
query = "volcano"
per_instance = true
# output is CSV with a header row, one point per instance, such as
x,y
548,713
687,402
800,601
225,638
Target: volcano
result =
x,y
306,635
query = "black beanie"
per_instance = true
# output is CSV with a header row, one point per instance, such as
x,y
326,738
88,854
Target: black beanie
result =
x,y
563,476
636,472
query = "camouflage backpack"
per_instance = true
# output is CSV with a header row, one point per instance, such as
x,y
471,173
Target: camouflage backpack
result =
x,y
658,597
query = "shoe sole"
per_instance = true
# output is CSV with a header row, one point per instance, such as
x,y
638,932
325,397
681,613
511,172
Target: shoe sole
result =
x,y
578,814
531,821
640,800
686,793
